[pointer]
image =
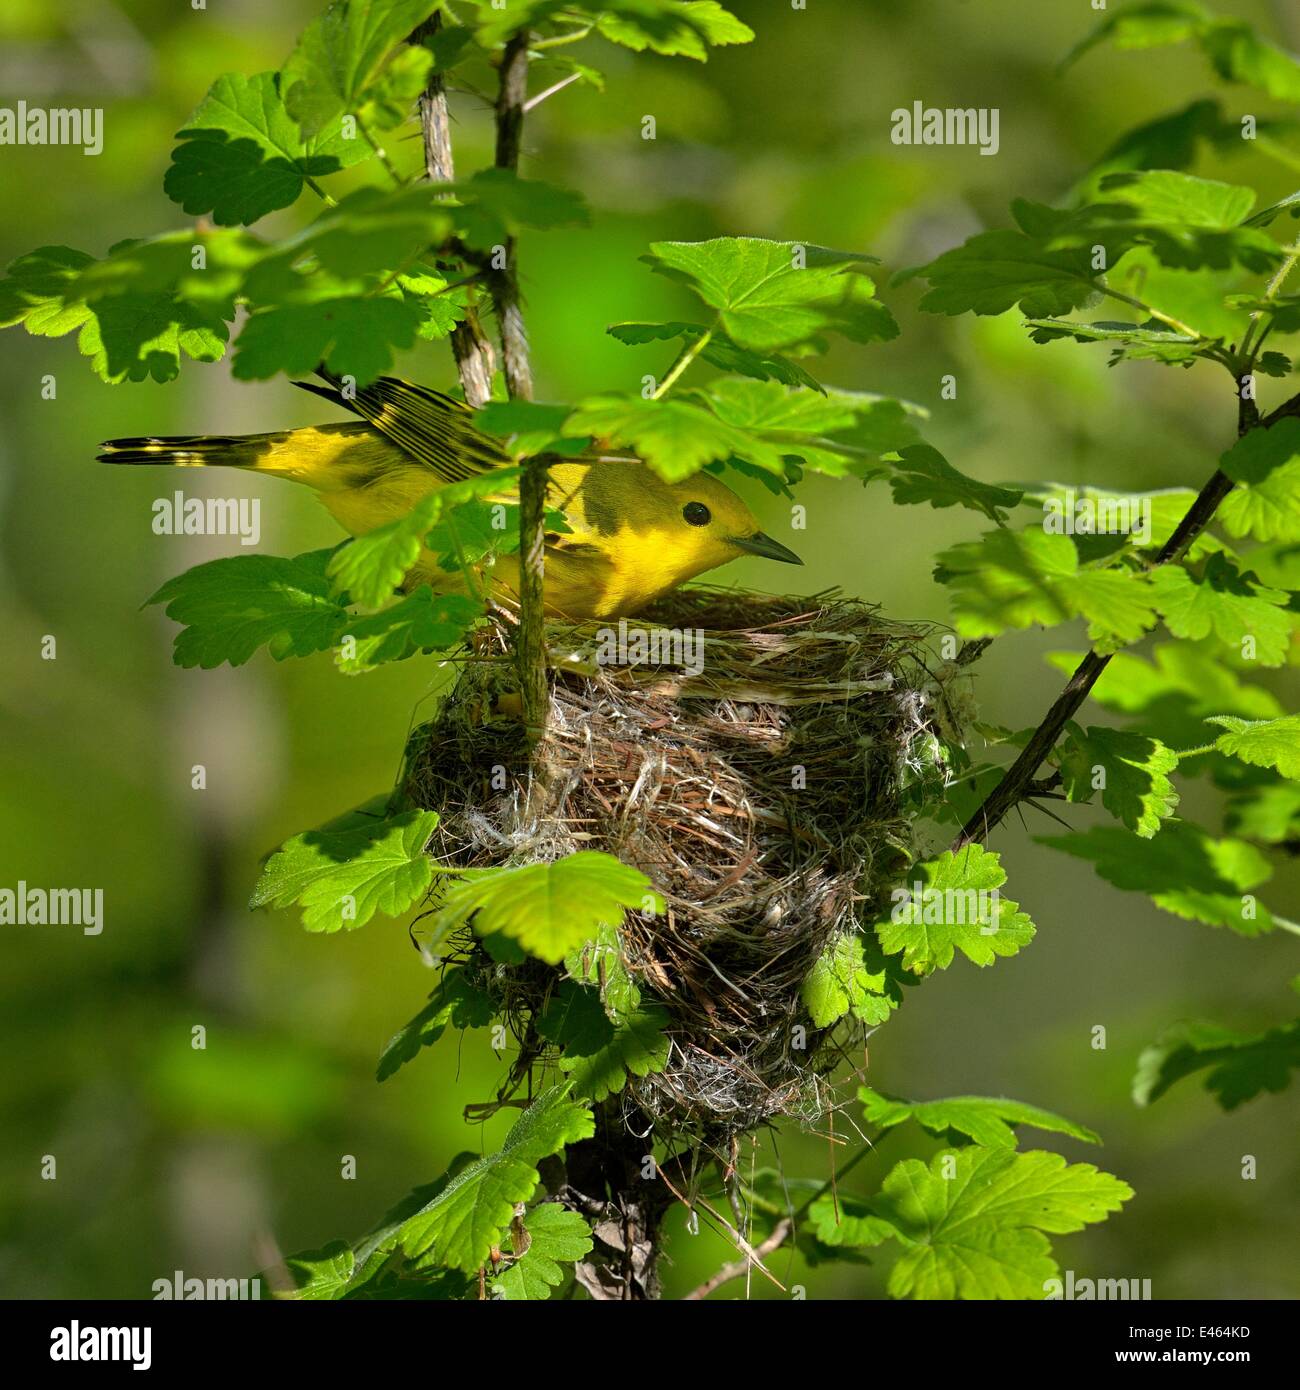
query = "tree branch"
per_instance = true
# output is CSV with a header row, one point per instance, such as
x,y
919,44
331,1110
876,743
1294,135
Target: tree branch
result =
x,y
471,347
530,637
1018,781
511,99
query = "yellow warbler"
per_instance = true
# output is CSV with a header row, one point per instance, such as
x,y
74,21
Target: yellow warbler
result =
x,y
633,537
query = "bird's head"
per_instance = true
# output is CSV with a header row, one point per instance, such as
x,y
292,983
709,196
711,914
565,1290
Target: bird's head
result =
x,y
652,535
711,524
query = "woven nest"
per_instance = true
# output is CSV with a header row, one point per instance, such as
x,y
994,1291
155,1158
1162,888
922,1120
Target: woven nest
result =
x,y
697,781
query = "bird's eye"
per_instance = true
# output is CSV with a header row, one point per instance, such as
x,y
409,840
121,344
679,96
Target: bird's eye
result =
x,y
696,514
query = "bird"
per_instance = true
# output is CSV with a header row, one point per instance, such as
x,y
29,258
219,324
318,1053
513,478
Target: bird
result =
x,y
632,538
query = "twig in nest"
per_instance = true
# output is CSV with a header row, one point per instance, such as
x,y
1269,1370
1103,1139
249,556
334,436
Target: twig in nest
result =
x,y
737,1268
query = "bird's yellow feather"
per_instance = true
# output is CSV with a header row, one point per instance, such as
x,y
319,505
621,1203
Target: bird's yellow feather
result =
x,y
633,537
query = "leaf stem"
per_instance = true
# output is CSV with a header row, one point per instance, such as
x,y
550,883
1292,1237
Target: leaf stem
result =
x,y
684,359
319,191
1271,291
381,153
1177,324
559,40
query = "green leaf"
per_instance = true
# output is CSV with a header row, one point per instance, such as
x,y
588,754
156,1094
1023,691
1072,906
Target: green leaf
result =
x,y
1278,566
1012,579
322,1274
847,1222
974,1224
675,437
464,1221
341,877
1150,24
456,1002
1267,465
922,474
1268,510
1262,742
497,204
474,531
354,246
1136,788
985,1120
421,621
599,1054
995,271
203,268
390,98
128,337
1149,342
550,909
371,567
840,983
1270,814
1224,604
674,28
1234,49
529,428
774,295
1181,675
1168,142
353,337
601,962
719,351
1241,1066
242,156
233,606
1238,54
784,415
1183,870
340,54
555,1236
954,904
1189,223
36,291
829,431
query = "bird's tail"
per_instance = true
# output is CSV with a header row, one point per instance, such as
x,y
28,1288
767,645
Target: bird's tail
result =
x,y
303,455
195,450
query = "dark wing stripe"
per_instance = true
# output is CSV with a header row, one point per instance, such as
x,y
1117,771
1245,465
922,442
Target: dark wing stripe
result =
x,y
435,430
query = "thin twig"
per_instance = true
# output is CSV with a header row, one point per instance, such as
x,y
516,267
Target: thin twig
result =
x,y
738,1268
511,100
1019,777
530,637
533,102
469,344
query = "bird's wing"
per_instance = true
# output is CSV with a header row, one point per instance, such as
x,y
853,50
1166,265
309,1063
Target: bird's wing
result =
x,y
435,430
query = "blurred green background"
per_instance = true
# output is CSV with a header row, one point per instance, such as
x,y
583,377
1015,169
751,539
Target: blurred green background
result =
x,y
208,1161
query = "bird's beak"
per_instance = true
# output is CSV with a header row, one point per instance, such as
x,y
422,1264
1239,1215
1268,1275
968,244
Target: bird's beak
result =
x,y
764,545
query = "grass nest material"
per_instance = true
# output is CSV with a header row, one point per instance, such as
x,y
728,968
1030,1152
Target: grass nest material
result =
x,y
766,798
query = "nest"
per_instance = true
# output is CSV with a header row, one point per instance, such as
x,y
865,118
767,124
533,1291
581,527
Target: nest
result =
x,y
765,792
